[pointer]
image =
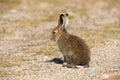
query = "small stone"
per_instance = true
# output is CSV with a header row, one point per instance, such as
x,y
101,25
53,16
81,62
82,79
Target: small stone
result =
x,y
91,73
116,67
13,11
45,57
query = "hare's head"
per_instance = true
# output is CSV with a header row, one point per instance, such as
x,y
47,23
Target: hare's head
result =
x,y
60,28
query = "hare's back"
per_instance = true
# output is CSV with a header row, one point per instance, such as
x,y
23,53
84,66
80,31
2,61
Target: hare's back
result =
x,y
77,42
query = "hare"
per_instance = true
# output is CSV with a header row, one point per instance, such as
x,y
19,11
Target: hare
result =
x,y
74,49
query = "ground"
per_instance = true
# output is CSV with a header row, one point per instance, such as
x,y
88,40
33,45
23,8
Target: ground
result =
x,y
26,53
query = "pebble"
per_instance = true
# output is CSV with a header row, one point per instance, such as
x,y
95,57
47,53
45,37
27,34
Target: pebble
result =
x,y
91,73
116,67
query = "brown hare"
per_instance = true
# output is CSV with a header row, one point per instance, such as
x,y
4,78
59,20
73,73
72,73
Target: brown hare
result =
x,y
73,48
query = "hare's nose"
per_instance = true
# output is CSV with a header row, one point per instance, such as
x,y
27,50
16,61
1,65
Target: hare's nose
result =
x,y
51,37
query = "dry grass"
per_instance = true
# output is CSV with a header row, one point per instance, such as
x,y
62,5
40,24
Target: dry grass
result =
x,y
5,31
94,38
48,49
84,12
8,64
3,73
13,58
44,11
6,5
11,61
30,23
98,37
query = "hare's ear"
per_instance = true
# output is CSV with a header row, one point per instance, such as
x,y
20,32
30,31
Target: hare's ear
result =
x,y
63,20
66,19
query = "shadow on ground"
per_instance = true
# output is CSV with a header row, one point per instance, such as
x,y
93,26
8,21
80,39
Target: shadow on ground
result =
x,y
56,60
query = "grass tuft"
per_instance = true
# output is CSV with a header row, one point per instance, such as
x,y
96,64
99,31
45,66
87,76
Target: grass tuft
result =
x,y
8,64
3,73
13,58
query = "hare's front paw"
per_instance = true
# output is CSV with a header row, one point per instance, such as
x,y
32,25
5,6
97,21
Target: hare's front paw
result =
x,y
69,65
86,66
64,64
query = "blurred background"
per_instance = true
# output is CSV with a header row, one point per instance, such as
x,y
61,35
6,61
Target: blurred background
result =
x,y
28,19
25,26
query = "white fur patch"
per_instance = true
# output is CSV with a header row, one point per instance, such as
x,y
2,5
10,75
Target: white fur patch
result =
x,y
66,21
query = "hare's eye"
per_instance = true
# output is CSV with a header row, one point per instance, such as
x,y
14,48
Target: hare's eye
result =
x,y
53,32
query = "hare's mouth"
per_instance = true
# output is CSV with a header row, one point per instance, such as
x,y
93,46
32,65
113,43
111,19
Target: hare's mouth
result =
x,y
52,39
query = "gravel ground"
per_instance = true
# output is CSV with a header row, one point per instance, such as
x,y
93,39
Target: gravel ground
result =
x,y
26,41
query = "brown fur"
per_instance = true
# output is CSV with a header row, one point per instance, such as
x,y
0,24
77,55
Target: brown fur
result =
x,y
74,49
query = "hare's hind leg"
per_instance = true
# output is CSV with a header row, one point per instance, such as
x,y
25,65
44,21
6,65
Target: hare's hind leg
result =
x,y
86,66
64,59
69,65
68,62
